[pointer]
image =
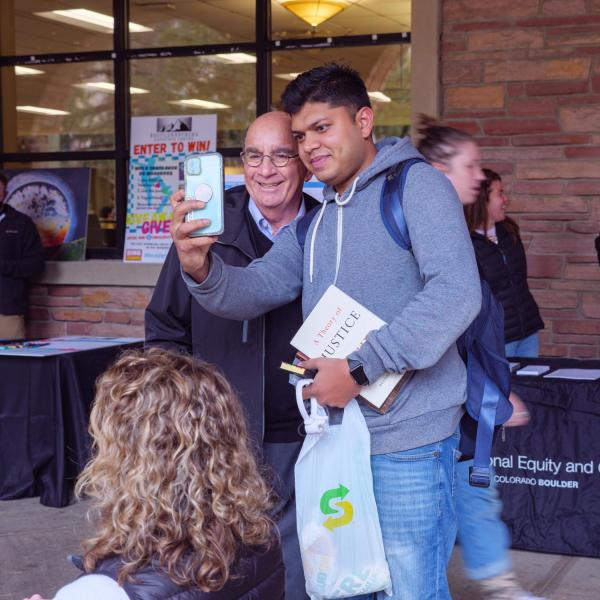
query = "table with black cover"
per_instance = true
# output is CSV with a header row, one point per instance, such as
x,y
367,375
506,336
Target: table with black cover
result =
x,y
44,411
552,507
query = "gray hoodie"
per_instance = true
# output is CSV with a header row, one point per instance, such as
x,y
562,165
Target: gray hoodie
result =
x,y
427,297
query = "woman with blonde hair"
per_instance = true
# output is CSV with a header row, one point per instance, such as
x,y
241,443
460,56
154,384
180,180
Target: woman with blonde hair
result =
x,y
179,507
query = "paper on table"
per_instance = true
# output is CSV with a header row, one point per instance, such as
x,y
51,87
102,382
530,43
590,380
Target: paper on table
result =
x,y
534,370
583,374
63,345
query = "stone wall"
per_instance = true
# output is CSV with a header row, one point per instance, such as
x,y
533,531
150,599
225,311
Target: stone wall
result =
x,y
523,76
73,310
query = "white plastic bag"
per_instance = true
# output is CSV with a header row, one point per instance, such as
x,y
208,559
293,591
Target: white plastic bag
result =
x,y
338,526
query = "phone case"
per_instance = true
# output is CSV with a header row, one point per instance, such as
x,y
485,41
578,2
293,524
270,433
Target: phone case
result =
x,y
204,181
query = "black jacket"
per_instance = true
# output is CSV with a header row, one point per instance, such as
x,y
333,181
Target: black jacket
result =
x,y
504,267
21,257
259,576
174,320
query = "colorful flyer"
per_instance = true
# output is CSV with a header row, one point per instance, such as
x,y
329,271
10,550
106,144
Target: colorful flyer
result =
x,y
158,146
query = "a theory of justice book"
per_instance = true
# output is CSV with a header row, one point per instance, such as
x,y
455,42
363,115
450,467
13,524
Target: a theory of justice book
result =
x,y
336,327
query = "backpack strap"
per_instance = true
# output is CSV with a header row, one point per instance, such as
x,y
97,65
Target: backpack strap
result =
x,y
303,225
488,381
479,473
392,213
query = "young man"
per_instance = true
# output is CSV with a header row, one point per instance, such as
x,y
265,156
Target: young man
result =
x,y
21,258
427,297
249,352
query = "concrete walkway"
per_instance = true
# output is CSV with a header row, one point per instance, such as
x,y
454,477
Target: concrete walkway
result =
x,y
34,541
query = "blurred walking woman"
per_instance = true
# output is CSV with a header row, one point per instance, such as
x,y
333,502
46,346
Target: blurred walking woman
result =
x,y
179,508
502,263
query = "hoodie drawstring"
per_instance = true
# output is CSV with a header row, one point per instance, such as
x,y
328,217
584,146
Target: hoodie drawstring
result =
x,y
340,232
340,227
311,263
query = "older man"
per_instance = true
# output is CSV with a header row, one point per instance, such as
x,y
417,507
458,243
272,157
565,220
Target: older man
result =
x,y
249,352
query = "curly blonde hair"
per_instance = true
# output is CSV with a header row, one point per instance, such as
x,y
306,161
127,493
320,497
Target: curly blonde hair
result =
x,y
173,479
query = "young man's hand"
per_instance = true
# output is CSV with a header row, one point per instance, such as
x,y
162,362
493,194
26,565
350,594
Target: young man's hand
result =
x,y
333,384
192,251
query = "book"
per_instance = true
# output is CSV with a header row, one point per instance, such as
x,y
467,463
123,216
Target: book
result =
x,y
337,326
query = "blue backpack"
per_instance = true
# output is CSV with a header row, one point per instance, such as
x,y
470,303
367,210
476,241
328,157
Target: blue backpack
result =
x,y
481,346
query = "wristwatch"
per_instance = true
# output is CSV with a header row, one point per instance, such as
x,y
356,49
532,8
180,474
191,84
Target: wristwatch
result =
x,y
357,372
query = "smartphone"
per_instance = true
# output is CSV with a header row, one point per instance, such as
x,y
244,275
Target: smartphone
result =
x,y
203,176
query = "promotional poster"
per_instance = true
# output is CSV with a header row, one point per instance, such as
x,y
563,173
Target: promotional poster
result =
x,y
158,146
57,202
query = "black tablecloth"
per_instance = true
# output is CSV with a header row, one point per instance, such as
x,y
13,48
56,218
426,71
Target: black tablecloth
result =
x,y
548,472
44,411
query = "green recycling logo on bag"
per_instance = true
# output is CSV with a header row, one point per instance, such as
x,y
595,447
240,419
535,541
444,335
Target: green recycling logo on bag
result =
x,y
346,507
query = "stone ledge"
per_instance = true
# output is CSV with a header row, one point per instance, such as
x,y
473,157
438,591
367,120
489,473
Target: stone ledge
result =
x,y
100,272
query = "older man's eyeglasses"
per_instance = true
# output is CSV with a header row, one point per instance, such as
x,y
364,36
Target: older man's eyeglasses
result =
x,y
279,159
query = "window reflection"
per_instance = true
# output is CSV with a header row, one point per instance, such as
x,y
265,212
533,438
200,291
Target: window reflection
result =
x,y
49,26
384,69
63,107
193,23
198,85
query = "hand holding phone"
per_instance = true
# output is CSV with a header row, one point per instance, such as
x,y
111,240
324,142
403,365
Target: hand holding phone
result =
x,y
204,182
191,251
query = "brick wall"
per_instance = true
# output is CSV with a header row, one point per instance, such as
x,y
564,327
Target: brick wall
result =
x,y
523,76
72,310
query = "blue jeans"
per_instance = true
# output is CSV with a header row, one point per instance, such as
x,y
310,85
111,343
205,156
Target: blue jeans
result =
x,y
414,492
527,347
483,537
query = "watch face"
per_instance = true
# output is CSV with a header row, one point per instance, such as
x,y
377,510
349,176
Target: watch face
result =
x,y
359,375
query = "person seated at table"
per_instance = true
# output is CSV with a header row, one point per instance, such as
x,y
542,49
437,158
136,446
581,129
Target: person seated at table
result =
x,y
179,507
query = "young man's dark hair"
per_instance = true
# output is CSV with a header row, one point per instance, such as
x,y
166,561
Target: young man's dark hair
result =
x,y
3,179
337,85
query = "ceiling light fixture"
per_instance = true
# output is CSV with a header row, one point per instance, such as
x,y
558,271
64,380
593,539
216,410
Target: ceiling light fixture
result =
x,y
237,58
197,103
19,70
315,12
105,86
40,110
89,19
379,97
